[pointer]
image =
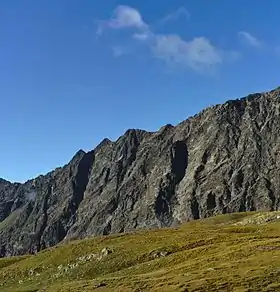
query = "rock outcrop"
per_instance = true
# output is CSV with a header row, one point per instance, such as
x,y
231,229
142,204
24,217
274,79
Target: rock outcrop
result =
x,y
225,159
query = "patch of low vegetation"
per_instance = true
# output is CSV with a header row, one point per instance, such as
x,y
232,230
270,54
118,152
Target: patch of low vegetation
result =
x,y
235,252
12,217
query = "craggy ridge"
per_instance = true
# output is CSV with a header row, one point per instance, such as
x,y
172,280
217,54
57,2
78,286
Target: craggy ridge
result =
x,y
223,160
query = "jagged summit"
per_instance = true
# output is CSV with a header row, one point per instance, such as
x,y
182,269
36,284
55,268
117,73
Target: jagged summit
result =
x,y
224,159
80,153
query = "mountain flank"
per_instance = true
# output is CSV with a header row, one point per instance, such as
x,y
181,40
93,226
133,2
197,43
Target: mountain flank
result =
x,y
225,159
231,252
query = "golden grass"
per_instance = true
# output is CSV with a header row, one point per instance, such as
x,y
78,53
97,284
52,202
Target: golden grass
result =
x,y
237,252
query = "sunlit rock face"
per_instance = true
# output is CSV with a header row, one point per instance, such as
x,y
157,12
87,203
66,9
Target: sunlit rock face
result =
x,y
225,159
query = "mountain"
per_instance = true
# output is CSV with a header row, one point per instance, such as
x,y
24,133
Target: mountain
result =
x,y
225,159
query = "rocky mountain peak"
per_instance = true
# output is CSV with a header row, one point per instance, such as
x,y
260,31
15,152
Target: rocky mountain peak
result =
x,y
224,159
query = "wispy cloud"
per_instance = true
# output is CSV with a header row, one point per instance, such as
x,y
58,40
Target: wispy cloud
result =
x,y
198,54
123,17
180,12
126,17
264,46
249,39
141,36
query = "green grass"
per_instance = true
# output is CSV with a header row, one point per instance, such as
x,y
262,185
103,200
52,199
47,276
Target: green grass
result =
x,y
13,216
237,252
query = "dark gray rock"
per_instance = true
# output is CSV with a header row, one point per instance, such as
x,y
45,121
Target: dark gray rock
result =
x,y
159,254
225,159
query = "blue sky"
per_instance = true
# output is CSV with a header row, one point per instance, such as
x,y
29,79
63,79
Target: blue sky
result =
x,y
75,71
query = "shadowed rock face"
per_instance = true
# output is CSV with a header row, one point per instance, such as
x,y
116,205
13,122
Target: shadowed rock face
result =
x,y
225,159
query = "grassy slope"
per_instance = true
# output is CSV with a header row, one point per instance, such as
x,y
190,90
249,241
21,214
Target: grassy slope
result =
x,y
238,252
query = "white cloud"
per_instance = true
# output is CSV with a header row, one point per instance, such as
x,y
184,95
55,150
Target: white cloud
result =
x,y
249,39
197,54
141,36
123,17
126,16
180,12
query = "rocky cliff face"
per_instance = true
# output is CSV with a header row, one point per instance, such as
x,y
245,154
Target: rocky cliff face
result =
x,y
225,159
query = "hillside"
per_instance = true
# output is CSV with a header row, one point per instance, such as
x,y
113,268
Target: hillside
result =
x,y
223,160
238,252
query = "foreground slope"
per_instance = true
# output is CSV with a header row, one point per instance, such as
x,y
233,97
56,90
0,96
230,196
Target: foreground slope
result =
x,y
238,252
223,160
